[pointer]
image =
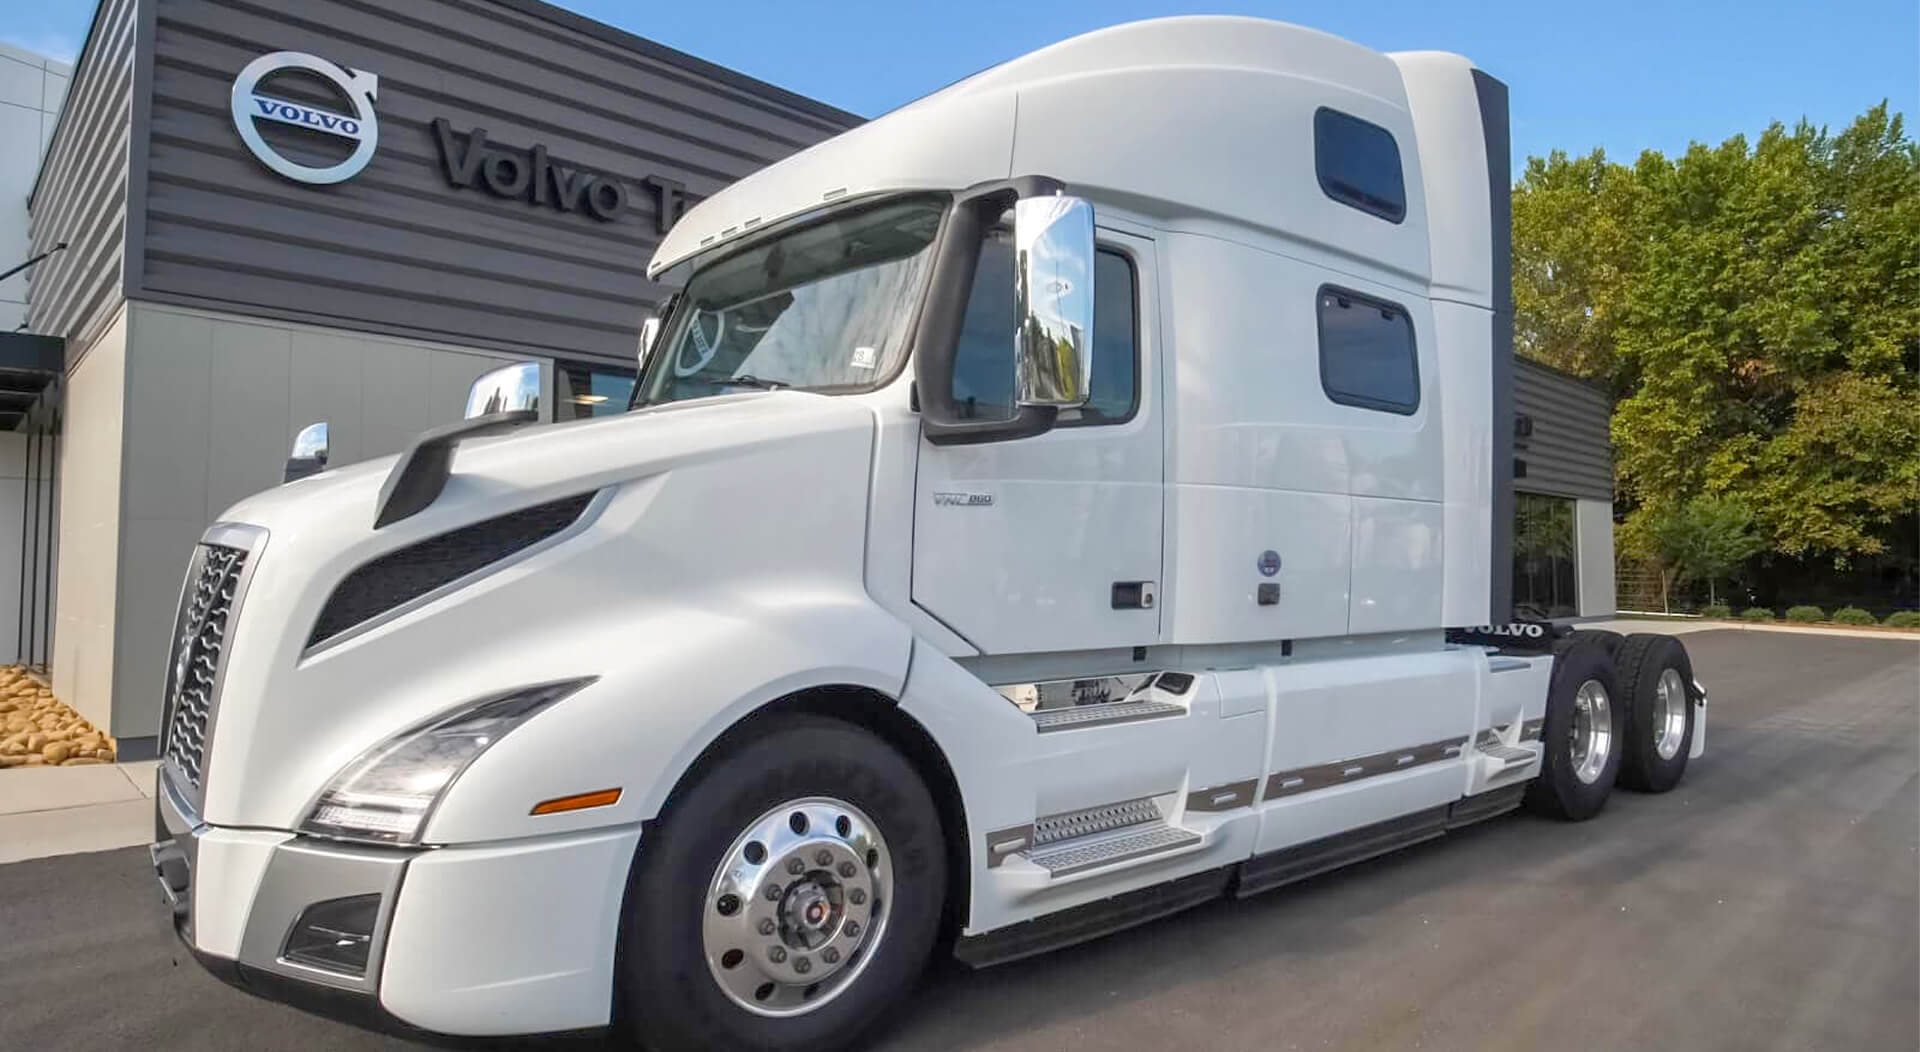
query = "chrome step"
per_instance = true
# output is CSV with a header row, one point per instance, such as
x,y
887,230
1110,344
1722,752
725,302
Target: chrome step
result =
x,y
1070,825
1508,755
1080,716
1079,855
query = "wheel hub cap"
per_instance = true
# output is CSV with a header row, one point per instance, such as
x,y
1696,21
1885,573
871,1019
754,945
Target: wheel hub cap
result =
x,y
796,906
809,912
1669,713
1591,732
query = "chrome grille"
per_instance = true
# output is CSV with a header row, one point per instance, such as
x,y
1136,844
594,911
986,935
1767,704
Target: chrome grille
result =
x,y
200,636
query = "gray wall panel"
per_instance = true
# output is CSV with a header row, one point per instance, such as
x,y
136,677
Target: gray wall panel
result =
x,y
396,248
1569,453
81,195
248,382
325,384
166,415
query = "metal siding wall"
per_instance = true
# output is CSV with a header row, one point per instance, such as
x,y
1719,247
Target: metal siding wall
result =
x,y
81,197
396,248
1569,453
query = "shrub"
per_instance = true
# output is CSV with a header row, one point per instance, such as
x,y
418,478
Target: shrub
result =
x,y
1806,614
1852,615
1718,611
1903,619
1756,613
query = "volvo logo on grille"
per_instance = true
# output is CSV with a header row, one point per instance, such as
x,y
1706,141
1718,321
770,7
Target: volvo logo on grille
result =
x,y
359,127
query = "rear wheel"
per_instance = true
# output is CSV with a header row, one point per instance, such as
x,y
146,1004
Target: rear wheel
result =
x,y
788,896
1584,726
1655,676
1607,639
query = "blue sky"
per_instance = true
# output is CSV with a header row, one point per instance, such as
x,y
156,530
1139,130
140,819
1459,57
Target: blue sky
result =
x,y
1623,75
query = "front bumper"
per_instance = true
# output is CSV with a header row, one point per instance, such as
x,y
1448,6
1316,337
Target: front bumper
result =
x,y
516,938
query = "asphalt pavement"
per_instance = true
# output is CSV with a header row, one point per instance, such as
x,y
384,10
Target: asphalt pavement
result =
x,y
1770,902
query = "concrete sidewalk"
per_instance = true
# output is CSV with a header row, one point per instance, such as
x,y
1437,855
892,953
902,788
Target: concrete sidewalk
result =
x,y
64,810
1680,626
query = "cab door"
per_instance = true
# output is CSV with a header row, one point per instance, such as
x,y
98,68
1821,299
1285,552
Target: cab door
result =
x,y
1052,542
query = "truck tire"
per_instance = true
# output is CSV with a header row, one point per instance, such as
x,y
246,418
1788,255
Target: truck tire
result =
x,y
787,896
1606,638
1584,725
1656,677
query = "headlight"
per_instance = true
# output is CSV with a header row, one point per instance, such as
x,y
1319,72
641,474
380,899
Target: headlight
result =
x,y
387,793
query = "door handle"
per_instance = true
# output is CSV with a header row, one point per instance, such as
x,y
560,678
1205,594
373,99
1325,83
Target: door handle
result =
x,y
1133,595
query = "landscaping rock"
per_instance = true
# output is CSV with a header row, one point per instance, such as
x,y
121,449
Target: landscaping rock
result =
x,y
36,730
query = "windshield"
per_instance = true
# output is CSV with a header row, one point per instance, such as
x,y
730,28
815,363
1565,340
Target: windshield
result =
x,y
826,307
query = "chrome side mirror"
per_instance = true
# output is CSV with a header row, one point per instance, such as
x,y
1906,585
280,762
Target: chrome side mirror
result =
x,y
508,388
1053,300
309,454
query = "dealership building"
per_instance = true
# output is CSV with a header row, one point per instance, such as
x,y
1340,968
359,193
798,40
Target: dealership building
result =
x,y
258,217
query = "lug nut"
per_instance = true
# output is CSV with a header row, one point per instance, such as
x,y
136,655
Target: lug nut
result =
x,y
856,896
766,926
802,965
773,893
830,955
846,868
823,857
852,927
796,867
776,954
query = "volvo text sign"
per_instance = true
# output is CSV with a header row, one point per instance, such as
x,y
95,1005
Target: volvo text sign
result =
x,y
359,127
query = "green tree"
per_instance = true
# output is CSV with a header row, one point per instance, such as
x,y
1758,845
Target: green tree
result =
x,y
1703,539
1755,308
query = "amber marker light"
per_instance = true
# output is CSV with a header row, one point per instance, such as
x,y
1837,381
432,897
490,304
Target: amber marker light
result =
x,y
576,802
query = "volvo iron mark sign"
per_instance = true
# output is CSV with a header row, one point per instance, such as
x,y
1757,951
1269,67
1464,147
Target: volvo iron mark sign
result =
x,y
360,127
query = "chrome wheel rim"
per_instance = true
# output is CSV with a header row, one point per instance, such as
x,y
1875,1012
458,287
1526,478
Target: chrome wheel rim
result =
x,y
797,906
1669,713
1592,731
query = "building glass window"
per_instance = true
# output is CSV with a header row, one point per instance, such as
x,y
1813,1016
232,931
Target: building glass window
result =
x,y
1544,575
1359,164
582,390
1366,353
983,361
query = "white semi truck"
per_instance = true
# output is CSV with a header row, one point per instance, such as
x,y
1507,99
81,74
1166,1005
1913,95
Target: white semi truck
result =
x,y
1049,506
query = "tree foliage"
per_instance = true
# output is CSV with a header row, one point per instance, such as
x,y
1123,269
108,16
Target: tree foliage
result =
x,y
1755,309
1702,539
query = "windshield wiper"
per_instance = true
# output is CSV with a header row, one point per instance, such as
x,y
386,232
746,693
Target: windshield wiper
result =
x,y
750,380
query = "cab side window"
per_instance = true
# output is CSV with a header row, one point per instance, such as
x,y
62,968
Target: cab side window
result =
x,y
983,362
1358,164
1366,352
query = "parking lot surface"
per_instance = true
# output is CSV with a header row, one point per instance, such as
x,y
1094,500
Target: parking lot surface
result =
x,y
1770,902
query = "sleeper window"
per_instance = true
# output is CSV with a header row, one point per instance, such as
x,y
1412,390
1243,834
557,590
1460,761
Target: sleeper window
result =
x,y
983,362
1366,353
1359,164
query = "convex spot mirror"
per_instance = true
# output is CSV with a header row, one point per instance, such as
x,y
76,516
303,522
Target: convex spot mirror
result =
x,y
504,390
309,455
649,334
1053,300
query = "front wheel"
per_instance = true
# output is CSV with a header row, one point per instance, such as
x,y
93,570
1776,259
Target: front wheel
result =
x,y
788,896
1586,719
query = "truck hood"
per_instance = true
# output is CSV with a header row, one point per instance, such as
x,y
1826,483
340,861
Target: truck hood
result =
x,y
495,474
700,505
